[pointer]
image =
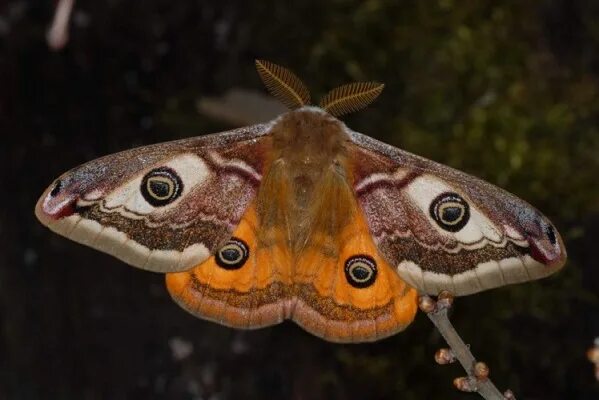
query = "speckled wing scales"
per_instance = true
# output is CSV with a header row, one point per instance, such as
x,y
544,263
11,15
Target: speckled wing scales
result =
x,y
446,230
165,207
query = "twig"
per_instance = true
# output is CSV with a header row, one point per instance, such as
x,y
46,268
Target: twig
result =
x,y
478,372
58,34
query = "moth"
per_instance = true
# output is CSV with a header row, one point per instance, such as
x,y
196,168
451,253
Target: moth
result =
x,y
302,218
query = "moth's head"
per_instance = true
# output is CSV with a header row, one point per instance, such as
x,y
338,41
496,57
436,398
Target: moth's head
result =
x,y
291,91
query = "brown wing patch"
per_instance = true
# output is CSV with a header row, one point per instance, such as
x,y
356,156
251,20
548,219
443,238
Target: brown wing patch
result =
x,y
254,295
328,304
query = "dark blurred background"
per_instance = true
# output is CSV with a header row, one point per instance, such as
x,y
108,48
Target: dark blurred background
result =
x,y
507,91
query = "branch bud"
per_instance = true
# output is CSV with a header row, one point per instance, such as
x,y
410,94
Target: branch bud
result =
x,y
426,304
481,371
445,299
444,356
466,384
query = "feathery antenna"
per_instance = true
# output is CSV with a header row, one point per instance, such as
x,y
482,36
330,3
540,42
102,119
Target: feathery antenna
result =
x,y
352,97
283,84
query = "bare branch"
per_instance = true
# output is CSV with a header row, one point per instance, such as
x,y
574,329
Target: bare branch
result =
x,y
478,372
58,34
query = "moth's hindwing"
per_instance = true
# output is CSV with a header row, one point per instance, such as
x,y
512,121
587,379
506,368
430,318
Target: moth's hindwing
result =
x,y
346,292
446,230
247,283
164,207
